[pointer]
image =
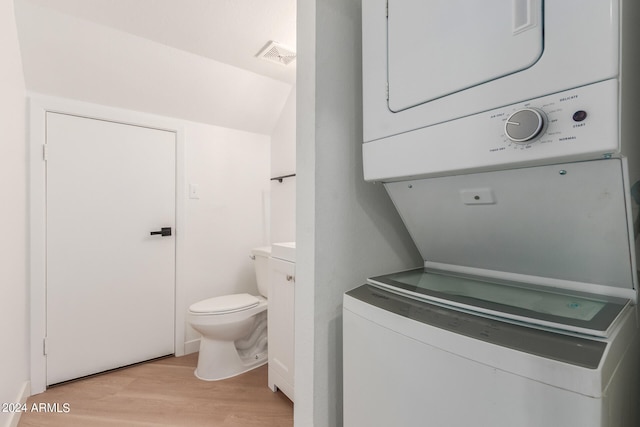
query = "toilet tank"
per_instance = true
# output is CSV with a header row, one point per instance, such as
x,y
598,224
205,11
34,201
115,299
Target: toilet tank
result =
x,y
261,265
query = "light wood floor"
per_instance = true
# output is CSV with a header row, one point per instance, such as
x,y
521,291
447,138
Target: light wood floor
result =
x,y
163,393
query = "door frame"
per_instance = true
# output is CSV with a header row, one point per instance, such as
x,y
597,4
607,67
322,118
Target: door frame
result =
x,y
38,106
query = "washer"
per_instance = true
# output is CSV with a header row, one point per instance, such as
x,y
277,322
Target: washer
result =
x,y
411,363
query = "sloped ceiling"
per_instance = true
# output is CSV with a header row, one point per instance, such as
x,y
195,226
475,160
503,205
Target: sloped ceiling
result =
x,y
189,59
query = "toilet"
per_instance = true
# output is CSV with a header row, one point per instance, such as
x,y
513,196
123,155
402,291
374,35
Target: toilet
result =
x,y
233,327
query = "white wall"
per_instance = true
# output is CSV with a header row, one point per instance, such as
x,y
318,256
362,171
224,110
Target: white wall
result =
x,y
231,169
347,230
14,352
283,162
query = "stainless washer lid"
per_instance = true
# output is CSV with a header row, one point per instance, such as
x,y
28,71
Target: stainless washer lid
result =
x,y
224,304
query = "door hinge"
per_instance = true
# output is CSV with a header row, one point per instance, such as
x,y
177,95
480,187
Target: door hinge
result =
x,y
44,346
45,152
387,9
387,91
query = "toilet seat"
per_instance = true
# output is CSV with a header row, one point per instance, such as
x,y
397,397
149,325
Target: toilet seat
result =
x,y
225,304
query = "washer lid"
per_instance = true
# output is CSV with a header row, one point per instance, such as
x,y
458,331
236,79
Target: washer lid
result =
x,y
225,304
523,303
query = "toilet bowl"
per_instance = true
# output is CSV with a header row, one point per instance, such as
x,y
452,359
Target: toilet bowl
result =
x,y
233,328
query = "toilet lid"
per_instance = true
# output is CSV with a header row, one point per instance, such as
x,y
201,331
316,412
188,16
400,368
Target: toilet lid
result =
x,y
225,304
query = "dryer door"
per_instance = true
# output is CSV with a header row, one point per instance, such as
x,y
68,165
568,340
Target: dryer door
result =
x,y
438,47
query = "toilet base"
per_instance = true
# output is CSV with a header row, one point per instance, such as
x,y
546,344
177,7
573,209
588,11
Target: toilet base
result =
x,y
219,360
208,370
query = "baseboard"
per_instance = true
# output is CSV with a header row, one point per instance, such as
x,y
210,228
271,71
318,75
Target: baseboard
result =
x,y
278,382
191,346
14,417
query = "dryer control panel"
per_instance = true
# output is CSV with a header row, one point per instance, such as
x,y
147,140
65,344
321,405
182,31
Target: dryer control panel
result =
x,y
566,117
573,125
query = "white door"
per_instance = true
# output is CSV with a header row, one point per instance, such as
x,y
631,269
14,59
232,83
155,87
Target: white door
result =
x,y
439,47
110,283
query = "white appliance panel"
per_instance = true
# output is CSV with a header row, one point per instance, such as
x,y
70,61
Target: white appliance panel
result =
x,y
566,221
478,142
581,47
440,47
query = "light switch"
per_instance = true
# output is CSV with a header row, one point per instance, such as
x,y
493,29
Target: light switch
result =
x,y
193,191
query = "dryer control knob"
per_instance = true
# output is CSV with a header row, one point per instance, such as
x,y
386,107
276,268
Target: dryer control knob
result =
x,y
525,125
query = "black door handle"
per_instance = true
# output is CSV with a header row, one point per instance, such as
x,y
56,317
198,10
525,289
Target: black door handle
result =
x,y
164,231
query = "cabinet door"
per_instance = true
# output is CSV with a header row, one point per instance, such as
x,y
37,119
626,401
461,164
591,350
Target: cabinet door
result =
x,y
438,47
281,325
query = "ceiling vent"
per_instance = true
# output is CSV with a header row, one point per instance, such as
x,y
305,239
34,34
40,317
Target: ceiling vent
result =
x,y
275,52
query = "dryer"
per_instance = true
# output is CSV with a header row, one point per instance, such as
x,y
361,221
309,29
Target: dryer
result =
x,y
441,79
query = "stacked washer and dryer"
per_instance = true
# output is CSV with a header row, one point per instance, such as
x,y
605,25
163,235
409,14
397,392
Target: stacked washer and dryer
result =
x,y
505,133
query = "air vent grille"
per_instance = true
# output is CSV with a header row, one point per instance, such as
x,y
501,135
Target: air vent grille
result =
x,y
275,52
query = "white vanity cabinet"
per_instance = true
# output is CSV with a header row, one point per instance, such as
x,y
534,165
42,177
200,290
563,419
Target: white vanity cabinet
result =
x,y
281,319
